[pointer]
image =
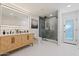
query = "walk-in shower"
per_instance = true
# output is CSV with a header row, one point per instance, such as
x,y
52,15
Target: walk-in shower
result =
x,y
48,27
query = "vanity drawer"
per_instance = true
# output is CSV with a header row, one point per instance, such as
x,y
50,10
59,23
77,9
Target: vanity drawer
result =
x,y
5,43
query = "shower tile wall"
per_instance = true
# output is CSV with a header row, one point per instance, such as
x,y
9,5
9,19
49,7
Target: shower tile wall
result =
x,y
41,27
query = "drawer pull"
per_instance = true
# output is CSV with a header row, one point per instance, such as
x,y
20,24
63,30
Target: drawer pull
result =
x,y
27,37
12,40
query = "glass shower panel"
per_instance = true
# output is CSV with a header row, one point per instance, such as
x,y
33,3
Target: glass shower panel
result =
x,y
51,28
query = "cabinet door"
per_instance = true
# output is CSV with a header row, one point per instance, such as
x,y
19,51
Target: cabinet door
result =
x,y
30,38
24,38
5,43
12,42
18,40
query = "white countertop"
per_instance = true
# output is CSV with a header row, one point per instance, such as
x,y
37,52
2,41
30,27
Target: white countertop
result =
x,y
15,34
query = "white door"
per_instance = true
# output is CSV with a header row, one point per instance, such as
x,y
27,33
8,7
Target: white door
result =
x,y
70,27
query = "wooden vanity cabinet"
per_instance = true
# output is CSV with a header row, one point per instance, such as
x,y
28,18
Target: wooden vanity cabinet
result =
x,y
12,42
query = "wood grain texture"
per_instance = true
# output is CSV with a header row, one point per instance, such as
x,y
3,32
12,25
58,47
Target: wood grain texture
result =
x,y
9,43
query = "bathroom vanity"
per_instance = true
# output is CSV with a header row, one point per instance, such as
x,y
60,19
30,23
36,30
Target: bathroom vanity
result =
x,y
14,29
12,42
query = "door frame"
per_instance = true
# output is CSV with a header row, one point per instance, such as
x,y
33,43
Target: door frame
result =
x,y
73,16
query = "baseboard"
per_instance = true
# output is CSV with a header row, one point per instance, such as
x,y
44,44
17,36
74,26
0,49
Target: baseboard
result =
x,y
70,43
54,41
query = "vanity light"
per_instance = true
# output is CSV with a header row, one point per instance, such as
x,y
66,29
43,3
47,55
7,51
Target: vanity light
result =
x,y
68,6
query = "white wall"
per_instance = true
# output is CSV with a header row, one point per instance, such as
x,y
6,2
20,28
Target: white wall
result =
x,y
78,30
0,17
0,13
60,28
35,31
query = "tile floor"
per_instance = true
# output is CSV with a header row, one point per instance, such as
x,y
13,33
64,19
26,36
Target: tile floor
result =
x,y
45,48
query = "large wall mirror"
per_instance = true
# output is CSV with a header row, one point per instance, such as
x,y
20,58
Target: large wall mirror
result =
x,y
12,20
11,17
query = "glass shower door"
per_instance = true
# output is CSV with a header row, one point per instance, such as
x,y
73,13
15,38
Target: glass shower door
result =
x,y
51,32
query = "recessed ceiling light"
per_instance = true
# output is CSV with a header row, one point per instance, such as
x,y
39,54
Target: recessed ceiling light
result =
x,y
68,5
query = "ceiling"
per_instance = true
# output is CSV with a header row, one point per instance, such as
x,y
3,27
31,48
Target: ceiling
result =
x,y
42,9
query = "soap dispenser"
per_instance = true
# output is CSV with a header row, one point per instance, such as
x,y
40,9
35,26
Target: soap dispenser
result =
x,y
3,32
